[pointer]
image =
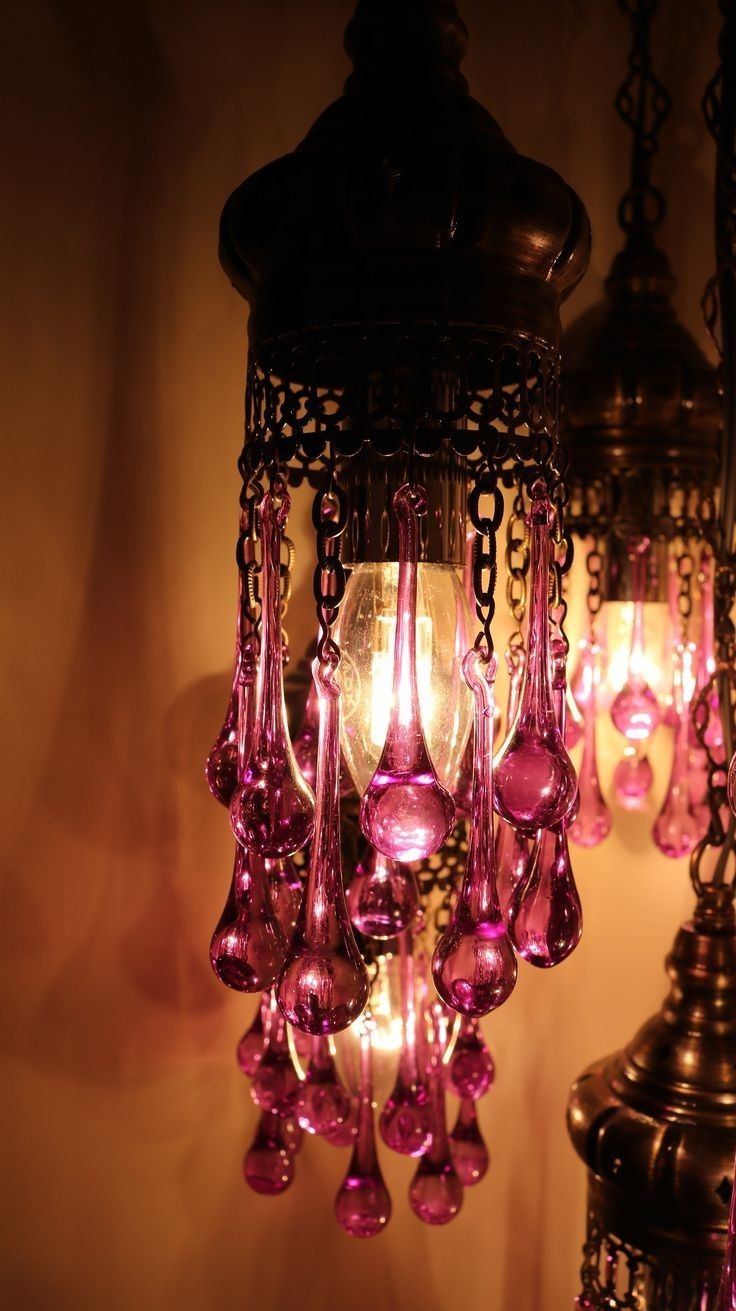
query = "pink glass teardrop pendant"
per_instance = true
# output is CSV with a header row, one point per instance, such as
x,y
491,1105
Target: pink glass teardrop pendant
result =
x,y
222,762
545,915
322,1103
247,947
268,1166
473,966
593,820
343,1135
470,1071
272,811
323,986
467,1146
435,1192
383,896
405,1123
512,861
276,1083
363,1205
535,783
406,813
286,890
677,828
632,779
635,710
252,1045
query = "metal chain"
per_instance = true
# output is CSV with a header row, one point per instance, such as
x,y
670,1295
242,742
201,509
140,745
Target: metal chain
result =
x,y
685,566
643,104
594,568
562,540
330,517
485,562
517,562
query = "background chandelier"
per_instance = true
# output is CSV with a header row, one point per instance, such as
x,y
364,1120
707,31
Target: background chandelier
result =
x,y
653,449
405,268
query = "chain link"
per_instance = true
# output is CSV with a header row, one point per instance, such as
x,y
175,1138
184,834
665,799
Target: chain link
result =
x,y
517,563
485,562
330,517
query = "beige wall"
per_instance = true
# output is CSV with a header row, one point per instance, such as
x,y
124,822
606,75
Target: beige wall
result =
x,y
122,355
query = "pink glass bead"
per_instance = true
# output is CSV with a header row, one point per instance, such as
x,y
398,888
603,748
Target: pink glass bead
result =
x,y
323,985
268,1166
677,828
635,710
247,947
535,783
406,813
276,1083
473,966
405,1122
632,779
272,811
322,1103
363,1205
252,1045
592,821
467,1147
545,915
435,1192
383,896
470,1072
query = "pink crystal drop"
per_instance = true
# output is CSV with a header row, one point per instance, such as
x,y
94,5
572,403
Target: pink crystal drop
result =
x,y
272,811
467,1146
535,783
405,1122
512,860
247,947
436,1193
592,822
222,762
268,1166
252,1045
383,896
470,1071
286,890
635,710
677,828
473,966
276,1083
545,915
292,1132
343,1135
323,986
363,1205
406,813
632,779
322,1103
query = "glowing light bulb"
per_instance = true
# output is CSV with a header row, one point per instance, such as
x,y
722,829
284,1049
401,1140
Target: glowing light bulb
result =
x,y
365,633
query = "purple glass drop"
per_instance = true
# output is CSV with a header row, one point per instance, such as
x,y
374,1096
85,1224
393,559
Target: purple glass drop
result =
x,y
470,1071
512,861
383,896
592,823
293,1133
405,1122
535,783
268,1166
221,769
276,1083
343,1135
322,1103
545,915
252,1045
467,1147
323,986
677,828
286,890
635,710
632,779
363,1205
247,947
473,966
406,813
435,1192
272,811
